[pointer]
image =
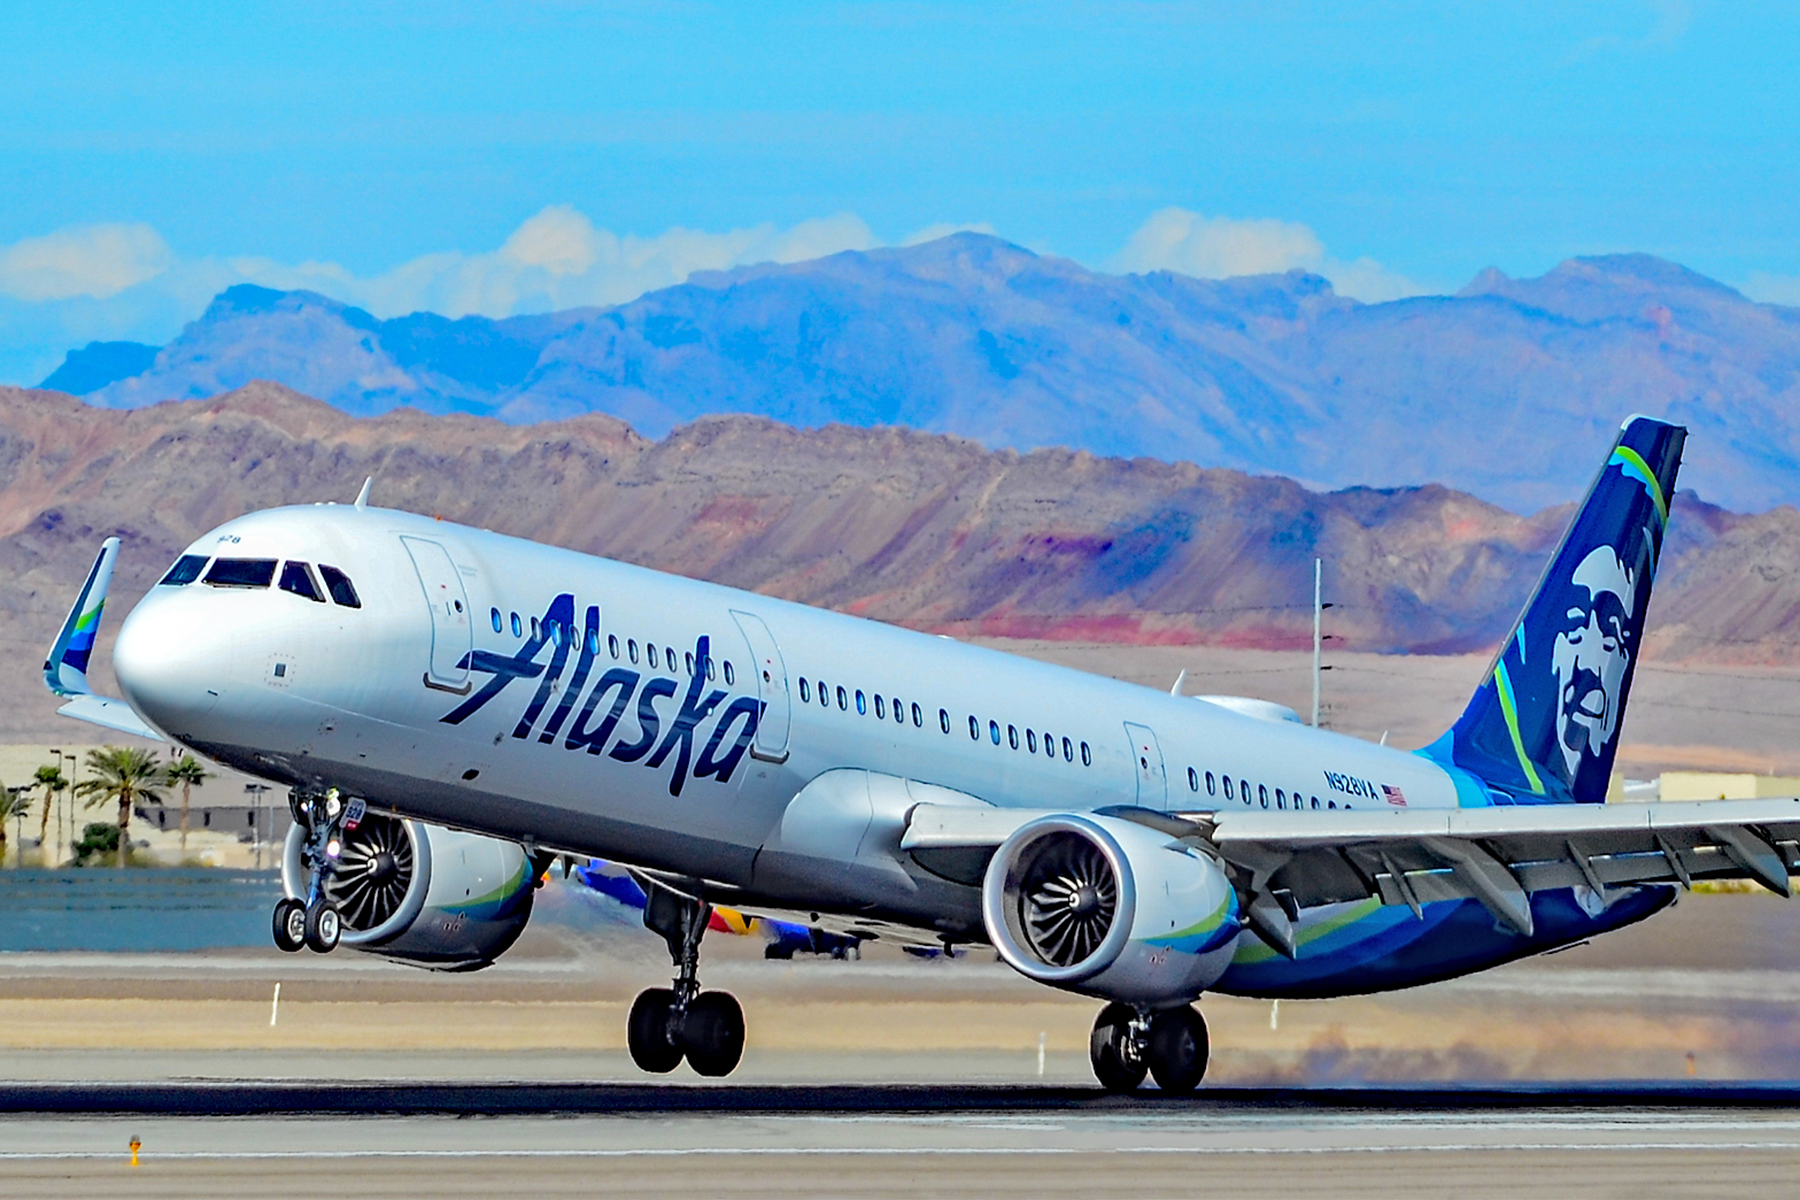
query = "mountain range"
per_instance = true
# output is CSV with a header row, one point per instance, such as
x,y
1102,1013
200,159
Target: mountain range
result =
x,y
1501,390
931,531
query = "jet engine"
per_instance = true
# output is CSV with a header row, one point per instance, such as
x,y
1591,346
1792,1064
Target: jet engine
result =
x,y
1110,908
422,894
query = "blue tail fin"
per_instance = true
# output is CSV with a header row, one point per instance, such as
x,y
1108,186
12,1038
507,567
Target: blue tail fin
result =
x,y
1544,725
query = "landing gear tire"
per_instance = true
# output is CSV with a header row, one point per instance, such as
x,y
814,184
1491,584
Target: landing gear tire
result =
x,y
647,1032
712,1033
1113,1047
1177,1048
323,927
290,926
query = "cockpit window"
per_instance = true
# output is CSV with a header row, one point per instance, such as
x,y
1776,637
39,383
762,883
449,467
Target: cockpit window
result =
x,y
297,579
242,572
338,584
187,568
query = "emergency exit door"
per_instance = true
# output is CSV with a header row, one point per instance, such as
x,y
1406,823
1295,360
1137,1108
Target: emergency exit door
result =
x,y
771,744
1146,757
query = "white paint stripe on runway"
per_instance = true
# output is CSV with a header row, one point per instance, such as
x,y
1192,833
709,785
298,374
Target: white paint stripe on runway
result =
x,y
872,1151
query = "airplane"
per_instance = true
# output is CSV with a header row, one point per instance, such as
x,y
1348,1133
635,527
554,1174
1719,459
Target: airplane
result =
x,y
783,939
451,708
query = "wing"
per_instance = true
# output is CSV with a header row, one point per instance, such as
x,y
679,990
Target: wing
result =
x,y
1285,862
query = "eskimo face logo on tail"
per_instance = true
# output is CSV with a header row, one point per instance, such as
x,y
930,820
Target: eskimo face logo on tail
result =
x,y
1592,654
658,738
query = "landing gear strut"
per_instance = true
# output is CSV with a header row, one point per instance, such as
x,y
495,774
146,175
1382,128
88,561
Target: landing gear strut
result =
x,y
314,922
672,1023
1128,1043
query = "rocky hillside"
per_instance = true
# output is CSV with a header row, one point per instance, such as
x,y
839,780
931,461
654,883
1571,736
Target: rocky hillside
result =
x,y
1500,390
929,531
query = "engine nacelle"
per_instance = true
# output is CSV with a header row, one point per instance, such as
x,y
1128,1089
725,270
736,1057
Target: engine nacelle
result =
x,y
1110,908
423,894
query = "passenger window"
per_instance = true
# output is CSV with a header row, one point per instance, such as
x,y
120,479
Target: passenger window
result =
x,y
631,650
242,572
1049,745
880,711
517,632
1262,794
1331,804
862,705
994,732
1228,794
1315,803
711,671
1087,756
1280,798
974,728
1068,751
729,673
669,656
593,643
612,645
297,579
805,691
919,718
498,626
1012,736
1244,790
824,697
1209,786
944,719
843,700
187,568
1193,780
650,655
688,660
1030,740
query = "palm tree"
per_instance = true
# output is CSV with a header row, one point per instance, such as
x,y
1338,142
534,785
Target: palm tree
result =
x,y
124,774
188,772
14,802
50,778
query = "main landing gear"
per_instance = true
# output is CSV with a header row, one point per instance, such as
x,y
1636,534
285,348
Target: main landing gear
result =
x,y
315,923
672,1023
1128,1043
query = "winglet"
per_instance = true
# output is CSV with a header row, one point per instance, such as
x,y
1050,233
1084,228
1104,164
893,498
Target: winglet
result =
x,y
65,670
362,497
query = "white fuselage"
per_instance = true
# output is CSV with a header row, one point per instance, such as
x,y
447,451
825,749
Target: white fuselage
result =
x,y
317,694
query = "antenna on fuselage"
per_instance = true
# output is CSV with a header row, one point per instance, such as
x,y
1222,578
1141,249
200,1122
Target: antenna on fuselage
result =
x,y
1179,680
362,497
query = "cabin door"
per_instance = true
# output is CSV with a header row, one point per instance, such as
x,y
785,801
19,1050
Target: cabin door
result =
x,y
452,636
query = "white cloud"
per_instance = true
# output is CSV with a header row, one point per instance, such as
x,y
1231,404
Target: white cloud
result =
x,y
83,260
1176,239
560,259
1772,289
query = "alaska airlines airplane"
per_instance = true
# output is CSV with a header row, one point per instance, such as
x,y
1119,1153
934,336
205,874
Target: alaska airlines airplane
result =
x,y
450,709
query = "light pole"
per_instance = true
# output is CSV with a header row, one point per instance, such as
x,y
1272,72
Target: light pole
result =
x,y
68,805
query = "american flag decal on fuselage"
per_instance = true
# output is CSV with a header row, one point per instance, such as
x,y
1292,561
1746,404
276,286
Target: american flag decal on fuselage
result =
x,y
1394,795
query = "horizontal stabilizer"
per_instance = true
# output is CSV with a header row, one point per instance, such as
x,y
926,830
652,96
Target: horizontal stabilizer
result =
x,y
113,714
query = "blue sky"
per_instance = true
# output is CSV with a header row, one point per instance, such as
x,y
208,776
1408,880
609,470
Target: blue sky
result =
x,y
504,158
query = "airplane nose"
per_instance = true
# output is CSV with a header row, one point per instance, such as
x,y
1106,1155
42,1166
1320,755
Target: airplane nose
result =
x,y
171,662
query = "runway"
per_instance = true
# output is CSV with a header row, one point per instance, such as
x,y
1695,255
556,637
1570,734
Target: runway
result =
x,y
254,1139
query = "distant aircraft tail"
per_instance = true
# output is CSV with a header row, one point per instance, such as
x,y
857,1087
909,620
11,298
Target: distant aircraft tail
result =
x,y
1544,725
65,670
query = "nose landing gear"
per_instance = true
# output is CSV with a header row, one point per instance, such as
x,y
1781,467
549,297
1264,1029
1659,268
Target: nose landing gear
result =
x,y
315,923
669,1024
1128,1043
